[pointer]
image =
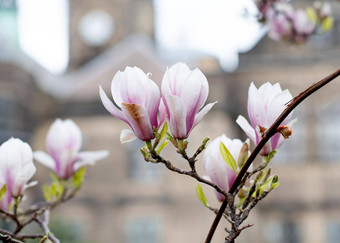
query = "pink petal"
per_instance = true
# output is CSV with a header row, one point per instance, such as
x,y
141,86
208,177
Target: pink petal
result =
x,y
139,121
194,94
134,86
110,107
177,116
153,103
256,107
116,84
199,116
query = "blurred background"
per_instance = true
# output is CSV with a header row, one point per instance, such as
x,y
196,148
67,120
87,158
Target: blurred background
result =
x,y
54,54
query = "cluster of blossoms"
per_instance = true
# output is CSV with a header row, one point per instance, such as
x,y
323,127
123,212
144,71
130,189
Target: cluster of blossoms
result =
x,y
183,93
145,108
264,106
294,25
63,143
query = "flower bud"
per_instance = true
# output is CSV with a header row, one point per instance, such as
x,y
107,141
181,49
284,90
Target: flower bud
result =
x,y
16,166
63,143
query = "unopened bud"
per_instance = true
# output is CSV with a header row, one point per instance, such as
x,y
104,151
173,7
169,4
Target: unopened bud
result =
x,y
286,131
244,153
242,193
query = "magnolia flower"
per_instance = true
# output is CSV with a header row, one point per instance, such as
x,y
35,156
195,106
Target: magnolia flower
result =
x,y
279,21
216,168
184,93
302,24
264,106
16,166
63,143
137,98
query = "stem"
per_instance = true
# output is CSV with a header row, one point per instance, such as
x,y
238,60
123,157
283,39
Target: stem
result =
x,y
267,135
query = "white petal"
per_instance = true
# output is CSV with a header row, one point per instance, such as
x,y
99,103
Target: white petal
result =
x,y
249,130
127,135
44,159
89,158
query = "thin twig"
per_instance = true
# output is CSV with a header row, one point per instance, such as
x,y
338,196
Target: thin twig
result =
x,y
267,135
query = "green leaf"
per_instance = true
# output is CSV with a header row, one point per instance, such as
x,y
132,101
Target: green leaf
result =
x,y
201,195
227,157
3,191
312,14
269,157
166,142
327,24
274,185
78,177
53,192
163,131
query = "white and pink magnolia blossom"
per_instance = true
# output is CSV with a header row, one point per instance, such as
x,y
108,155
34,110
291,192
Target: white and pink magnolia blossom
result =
x,y
216,168
302,24
63,142
184,93
264,106
16,167
288,24
137,98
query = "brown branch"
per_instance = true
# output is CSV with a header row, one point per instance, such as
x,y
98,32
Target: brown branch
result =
x,y
267,135
191,173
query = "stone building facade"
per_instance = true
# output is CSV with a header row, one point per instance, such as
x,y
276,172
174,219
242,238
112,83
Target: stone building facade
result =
x,y
125,199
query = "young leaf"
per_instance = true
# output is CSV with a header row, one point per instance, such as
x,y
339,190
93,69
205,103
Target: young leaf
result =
x,y
163,131
3,191
201,195
327,24
227,157
78,177
166,142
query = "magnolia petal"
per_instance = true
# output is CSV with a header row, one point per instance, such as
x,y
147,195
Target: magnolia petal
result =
x,y
199,116
153,103
277,106
126,136
256,107
194,94
174,78
249,130
31,184
177,117
116,84
110,107
89,158
163,114
44,159
139,121
134,86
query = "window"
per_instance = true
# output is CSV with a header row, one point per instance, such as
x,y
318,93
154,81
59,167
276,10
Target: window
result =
x,y
333,232
138,168
143,230
281,232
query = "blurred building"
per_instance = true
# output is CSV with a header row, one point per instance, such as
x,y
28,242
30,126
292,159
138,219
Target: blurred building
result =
x,y
125,199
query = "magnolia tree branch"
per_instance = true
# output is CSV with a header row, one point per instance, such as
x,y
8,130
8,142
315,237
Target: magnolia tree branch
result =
x,y
191,160
267,135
